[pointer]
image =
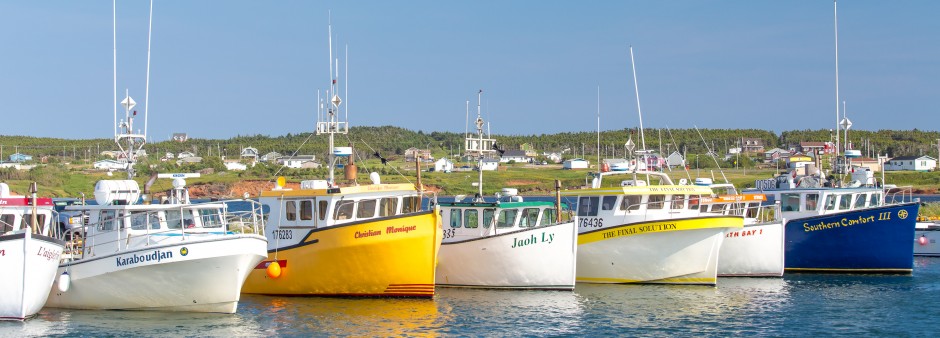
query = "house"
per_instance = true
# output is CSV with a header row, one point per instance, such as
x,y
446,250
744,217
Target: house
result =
x,y
776,154
675,160
424,154
444,165
271,157
189,160
17,157
298,161
249,152
185,154
752,145
911,163
817,148
553,157
515,156
235,166
180,137
168,156
110,165
490,164
872,164
576,163
528,149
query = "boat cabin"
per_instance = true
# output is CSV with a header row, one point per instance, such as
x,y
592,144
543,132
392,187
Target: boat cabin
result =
x,y
319,206
16,213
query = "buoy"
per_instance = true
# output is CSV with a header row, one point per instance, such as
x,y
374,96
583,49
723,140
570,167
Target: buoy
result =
x,y
274,270
922,240
64,282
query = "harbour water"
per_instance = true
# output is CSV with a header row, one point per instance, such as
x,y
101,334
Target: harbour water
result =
x,y
795,305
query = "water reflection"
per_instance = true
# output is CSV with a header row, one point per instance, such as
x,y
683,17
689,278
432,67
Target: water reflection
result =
x,y
508,312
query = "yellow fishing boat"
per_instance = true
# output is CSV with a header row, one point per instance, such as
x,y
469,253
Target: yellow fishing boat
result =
x,y
356,240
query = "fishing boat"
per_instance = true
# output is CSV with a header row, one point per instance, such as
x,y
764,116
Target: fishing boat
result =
x,y
506,243
756,250
836,226
29,254
325,239
169,256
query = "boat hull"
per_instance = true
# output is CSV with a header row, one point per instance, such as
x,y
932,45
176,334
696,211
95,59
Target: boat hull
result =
x,y
872,240
367,258
673,251
533,258
926,242
29,264
198,275
753,251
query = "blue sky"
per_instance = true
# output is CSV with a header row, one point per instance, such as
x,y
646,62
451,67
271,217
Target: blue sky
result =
x,y
221,69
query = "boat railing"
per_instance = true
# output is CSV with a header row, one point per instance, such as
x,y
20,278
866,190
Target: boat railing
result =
x,y
902,194
759,212
642,211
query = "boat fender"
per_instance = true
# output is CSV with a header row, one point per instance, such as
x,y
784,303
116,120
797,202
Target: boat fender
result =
x,y
274,270
65,282
922,240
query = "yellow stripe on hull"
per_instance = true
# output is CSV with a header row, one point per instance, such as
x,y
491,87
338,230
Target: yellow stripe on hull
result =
x,y
677,280
362,259
668,225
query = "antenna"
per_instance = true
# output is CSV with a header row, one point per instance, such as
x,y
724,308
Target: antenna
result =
x,y
836,27
636,87
598,127
114,20
147,86
330,123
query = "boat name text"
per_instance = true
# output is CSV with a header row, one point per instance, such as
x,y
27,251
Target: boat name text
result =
x,y
745,233
367,233
640,229
405,229
546,238
48,254
845,222
156,256
388,230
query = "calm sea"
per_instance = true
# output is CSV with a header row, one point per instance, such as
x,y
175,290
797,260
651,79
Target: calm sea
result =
x,y
803,305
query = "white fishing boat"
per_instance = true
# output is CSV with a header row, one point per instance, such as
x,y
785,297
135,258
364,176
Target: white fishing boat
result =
x,y
29,255
171,256
756,250
506,243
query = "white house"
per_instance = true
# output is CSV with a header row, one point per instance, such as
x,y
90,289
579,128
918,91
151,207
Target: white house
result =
x,y
915,163
490,164
298,161
576,163
444,165
553,157
110,165
675,160
250,152
185,154
271,157
235,166
515,156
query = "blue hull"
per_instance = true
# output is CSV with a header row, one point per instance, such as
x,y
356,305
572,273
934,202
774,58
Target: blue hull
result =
x,y
874,240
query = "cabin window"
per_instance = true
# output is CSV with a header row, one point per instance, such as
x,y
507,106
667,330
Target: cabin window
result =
x,y
210,218
106,220
631,202
693,202
455,218
530,217
409,204
845,202
188,220
860,201
548,217
678,202
140,220
655,201
507,218
344,210
609,202
874,200
173,219
366,209
790,202
812,200
471,219
488,217
830,202
388,206
322,208
28,220
291,210
751,210
306,210
587,206
6,222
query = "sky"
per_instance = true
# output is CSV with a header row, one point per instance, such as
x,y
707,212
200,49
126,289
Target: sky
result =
x,y
225,68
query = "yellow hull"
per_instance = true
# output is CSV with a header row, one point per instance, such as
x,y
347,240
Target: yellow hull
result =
x,y
364,258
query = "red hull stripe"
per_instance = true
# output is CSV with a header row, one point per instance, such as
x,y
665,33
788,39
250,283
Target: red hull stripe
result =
x,y
264,264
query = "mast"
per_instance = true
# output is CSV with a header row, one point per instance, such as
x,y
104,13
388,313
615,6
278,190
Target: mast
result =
x,y
480,134
330,123
479,146
124,131
598,127
836,27
636,88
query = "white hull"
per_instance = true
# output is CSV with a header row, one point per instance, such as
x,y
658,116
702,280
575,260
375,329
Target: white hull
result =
x,y
534,258
29,266
753,251
208,278
929,245
678,257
